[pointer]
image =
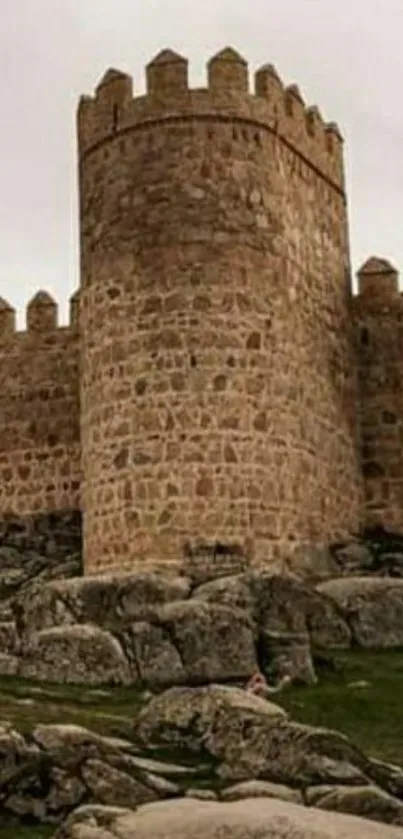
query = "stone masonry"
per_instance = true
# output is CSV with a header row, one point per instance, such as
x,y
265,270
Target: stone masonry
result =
x,y
218,383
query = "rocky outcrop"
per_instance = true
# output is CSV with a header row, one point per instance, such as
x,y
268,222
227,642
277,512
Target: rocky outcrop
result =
x,y
251,738
159,630
213,743
33,550
163,629
372,607
374,553
190,819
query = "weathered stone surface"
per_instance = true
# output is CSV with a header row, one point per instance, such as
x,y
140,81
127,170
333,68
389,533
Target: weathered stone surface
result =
x,y
201,794
33,550
71,743
64,765
224,735
311,563
288,617
13,751
8,638
186,716
368,801
189,819
291,616
251,738
353,559
234,592
213,562
261,789
214,642
107,785
9,664
373,608
152,654
79,653
153,629
108,601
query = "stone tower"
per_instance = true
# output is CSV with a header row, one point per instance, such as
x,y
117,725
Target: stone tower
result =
x,y
218,392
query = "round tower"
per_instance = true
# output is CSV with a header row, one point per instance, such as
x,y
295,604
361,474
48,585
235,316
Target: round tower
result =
x,y
218,391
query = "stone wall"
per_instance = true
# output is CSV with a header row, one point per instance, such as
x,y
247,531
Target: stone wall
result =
x,y
218,384
379,330
39,411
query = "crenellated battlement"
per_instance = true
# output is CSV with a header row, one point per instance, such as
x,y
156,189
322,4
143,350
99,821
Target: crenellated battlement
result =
x,y
270,106
41,316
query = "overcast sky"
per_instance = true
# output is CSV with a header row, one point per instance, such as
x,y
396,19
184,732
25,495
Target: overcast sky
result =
x,y
347,58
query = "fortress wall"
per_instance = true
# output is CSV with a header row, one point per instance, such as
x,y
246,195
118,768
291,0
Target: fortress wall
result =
x,y
378,312
217,393
39,411
319,337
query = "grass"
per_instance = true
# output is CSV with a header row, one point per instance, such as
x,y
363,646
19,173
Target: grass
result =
x,y
109,711
370,715
14,831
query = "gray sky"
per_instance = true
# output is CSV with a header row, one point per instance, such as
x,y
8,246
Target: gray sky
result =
x,y
346,57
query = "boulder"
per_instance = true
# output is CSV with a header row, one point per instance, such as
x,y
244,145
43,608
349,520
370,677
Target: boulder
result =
x,y
9,665
110,600
372,606
250,738
234,592
152,654
293,617
354,558
368,801
79,654
108,785
187,717
311,563
186,818
261,789
61,766
8,638
14,752
215,643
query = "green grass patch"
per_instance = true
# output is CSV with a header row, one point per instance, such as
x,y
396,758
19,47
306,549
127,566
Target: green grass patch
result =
x,y
17,831
370,715
109,711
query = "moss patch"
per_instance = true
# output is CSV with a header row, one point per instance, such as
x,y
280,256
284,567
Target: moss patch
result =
x,y
16,831
370,715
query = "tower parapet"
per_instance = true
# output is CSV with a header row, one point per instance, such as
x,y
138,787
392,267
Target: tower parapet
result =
x,y
271,107
378,314
377,279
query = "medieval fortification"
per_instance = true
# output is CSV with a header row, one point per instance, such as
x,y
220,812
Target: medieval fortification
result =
x,y
218,381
